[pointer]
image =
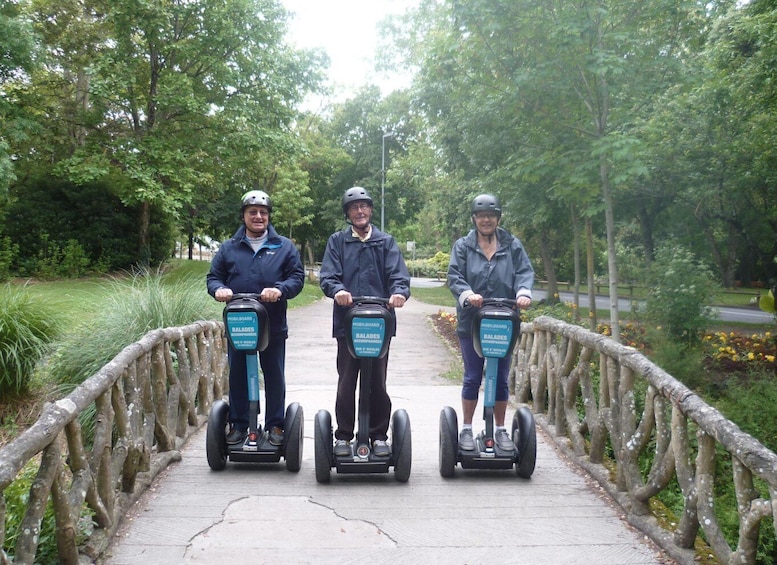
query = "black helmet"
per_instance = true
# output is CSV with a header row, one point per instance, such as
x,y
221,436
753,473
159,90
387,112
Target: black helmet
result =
x,y
487,203
255,198
355,194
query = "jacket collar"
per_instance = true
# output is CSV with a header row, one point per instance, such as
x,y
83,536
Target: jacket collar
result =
x,y
272,235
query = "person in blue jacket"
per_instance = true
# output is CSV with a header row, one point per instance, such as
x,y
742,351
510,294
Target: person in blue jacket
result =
x,y
361,260
488,262
256,259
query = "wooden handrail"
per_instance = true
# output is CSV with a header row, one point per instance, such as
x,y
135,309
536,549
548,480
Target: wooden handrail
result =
x,y
583,390
146,401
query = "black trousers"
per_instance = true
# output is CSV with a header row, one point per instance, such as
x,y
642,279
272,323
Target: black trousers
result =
x,y
348,369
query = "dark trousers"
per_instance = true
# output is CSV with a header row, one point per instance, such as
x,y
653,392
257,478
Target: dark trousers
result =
x,y
473,372
348,369
273,363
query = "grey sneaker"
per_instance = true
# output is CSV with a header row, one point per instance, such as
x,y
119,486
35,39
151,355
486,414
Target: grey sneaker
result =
x,y
236,436
503,440
276,436
380,448
342,448
466,441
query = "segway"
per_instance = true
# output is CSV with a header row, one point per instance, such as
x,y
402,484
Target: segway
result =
x,y
368,330
248,329
495,330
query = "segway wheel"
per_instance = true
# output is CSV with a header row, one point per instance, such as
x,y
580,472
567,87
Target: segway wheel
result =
x,y
449,441
293,431
525,439
216,436
324,446
401,445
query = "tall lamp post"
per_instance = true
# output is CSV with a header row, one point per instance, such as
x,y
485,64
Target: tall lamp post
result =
x,y
383,177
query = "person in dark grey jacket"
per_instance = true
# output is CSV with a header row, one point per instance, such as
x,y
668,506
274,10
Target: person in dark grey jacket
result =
x,y
361,260
256,259
488,262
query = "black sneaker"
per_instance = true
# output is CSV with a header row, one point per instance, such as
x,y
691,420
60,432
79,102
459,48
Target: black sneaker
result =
x,y
235,436
466,441
503,440
276,436
342,448
380,448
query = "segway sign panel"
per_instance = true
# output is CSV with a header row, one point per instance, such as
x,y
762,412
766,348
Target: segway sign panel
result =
x,y
368,335
496,337
243,329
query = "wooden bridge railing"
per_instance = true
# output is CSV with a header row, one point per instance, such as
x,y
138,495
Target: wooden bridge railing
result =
x,y
609,407
146,402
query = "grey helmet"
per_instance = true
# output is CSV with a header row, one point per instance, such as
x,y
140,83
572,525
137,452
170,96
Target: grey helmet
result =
x,y
486,203
255,198
355,194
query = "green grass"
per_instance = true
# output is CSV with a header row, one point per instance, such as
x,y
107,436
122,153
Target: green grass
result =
x,y
79,300
738,297
440,295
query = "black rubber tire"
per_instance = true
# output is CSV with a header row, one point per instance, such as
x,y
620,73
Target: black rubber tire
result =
x,y
525,439
449,441
401,445
324,446
293,436
216,436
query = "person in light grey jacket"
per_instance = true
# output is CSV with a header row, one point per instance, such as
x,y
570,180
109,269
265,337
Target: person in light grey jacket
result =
x,y
488,262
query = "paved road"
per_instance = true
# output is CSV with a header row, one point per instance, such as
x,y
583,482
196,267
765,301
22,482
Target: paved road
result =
x,y
266,514
747,315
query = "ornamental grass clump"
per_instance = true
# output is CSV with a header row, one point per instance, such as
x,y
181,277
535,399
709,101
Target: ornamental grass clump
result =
x,y
131,308
27,331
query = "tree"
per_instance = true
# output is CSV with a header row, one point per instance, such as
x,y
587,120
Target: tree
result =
x,y
186,101
499,81
17,43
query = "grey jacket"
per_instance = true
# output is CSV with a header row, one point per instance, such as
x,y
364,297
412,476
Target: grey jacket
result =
x,y
508,274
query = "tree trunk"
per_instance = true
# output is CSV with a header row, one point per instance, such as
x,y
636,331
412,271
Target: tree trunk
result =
x,y
550,271
612,267
576,257
589,239
144,243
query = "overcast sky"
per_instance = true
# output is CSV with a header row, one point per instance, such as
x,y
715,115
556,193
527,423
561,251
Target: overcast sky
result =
x,y
347,31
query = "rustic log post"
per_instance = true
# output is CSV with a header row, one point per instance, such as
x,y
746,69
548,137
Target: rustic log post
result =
x,y
689,521
66,517
29,530
705,487
164,441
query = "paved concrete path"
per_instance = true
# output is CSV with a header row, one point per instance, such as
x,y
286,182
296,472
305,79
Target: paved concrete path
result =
x,y
266,514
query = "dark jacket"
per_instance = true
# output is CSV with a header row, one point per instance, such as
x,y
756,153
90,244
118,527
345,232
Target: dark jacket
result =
x,y
371,268
508,274
275,264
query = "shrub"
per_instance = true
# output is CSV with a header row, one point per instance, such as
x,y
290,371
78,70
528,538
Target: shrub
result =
x,y
17,495
56,262
92,214
680,296
8,253
27,329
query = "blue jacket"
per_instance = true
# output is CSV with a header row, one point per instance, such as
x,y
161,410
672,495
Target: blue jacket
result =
x,y
371,268
509,274
275,264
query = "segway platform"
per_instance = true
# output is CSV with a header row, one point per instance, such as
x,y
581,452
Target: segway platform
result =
x,y
248,329
495,330
369,327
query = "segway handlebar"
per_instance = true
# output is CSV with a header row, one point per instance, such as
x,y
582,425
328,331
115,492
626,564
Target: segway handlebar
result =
x,y
245,296
511,302
370,300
